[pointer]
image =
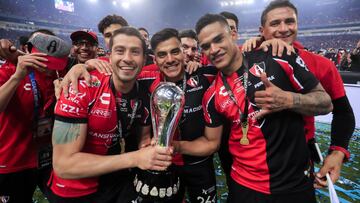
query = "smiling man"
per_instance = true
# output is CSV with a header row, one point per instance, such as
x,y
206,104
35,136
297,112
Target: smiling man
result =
x,y
85,45
93,139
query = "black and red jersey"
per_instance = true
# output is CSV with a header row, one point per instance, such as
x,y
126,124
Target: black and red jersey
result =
x,y
102,110
17,147
277,155
191,125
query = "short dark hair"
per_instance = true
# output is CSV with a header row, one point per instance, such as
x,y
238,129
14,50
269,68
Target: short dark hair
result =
x,y
111,19
129,31
144,29
276,4
163,35
209,19
232,16
189,33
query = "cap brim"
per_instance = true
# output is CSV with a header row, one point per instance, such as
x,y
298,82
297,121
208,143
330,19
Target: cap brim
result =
x,y
82,34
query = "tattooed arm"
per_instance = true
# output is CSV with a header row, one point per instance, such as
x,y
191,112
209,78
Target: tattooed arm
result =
x,y
274,99
69,162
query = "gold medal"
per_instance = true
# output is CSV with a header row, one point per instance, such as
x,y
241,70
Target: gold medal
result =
x,y
122,145
244,127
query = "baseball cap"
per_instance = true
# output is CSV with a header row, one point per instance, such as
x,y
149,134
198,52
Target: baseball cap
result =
x,y
57,50
84,34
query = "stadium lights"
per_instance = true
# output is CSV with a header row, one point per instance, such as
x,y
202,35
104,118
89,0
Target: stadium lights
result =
x,y
125,5
93,1
114,3
236,2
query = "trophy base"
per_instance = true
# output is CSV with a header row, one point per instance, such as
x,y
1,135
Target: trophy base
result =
x,y
157,185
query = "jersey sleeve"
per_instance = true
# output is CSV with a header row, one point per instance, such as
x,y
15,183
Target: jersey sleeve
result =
x,y
74,109
209,72
212,117
299,75
330,78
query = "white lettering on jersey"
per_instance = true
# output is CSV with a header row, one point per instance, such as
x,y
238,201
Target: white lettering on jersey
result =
x,y
105,98
69,109
27,87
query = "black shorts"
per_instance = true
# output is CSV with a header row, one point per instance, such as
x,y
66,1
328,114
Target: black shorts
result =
x,y
115,187
18,186
199,181
239,193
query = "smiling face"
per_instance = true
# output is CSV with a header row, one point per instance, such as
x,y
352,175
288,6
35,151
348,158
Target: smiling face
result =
x,y
218,44
170,59
84,50
189,48
127,57
281,23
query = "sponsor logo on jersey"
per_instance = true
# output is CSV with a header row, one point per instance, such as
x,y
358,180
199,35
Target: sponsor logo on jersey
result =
x,y
193,81
105,98
99,112
27,87
192,110
257,69
69,109
301,63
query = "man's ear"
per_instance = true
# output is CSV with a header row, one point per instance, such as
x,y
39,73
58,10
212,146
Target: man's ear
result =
x,y
261,30
234,35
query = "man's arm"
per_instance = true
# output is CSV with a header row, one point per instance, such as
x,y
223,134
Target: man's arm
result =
x,y
274,99
70,162
205,145
7,90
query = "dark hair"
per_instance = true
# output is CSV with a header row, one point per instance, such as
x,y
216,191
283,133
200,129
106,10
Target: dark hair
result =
x,y
23,40
144,29
190,33
163,35
44,31
209,19
111,19
232,16
276,4
129,31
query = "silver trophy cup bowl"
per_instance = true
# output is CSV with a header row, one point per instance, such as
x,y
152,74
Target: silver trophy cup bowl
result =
x,y
167,102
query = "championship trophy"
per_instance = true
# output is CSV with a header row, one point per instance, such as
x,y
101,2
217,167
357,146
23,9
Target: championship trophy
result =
x,y
166,103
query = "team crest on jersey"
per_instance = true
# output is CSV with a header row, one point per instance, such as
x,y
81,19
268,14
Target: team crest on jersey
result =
x,y
95,82
301,62
133,103
257,69
193,81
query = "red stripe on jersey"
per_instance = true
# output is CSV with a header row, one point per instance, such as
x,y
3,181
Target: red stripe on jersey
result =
x,y
289,70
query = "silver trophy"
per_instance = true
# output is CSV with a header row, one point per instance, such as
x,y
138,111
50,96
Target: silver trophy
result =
x,y
167,102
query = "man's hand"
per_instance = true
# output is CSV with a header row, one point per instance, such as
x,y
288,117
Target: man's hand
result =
x,y
102,66
250,44
192,66
272,99
76,72
332,165
8,51
278,47
30,61
154,158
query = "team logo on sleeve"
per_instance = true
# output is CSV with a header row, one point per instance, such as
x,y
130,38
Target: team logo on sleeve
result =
x,y
257,69
193,81
301,63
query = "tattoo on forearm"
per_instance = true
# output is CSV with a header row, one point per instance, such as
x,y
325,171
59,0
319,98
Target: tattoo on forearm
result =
x,y
65,132
316,102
